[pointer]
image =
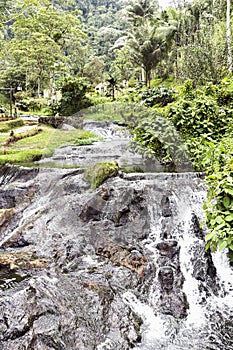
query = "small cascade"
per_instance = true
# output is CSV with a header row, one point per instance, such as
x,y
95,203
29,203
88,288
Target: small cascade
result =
x,y
120,267
188,287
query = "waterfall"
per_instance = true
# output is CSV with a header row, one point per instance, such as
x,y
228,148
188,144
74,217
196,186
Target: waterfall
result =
x,y
120,267
206,288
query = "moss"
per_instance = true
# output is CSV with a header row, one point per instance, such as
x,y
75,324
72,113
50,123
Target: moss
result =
x,y
98,173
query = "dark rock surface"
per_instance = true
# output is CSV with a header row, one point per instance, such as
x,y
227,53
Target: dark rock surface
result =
x,y
170,279
69,254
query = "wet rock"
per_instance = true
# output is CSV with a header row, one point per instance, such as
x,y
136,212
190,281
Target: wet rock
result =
x,y
204,270
168,248
174,304
166,206
12,197
197,230
83,315
93,208
121,255
166,278
15,241
10,173
172,300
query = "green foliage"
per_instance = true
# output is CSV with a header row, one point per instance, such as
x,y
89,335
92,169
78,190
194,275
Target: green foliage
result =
x,y
201,39
100,172
218,162
199,116
43,144
155,136
20,136
37,45
148,43
224,93
31,104
161,96
73,96
21,156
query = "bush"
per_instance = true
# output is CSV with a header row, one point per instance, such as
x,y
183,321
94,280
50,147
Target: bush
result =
x,y
161,96
73,96
218,162
156,137
200,116
31,104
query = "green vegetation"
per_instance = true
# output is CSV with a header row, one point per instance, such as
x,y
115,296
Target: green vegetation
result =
x,y
203,118
216,157
32,148
98,173
23,135
54,53
11,124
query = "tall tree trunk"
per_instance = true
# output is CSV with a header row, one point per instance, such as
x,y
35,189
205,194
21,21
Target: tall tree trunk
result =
x,y
51,90
228,36
38,87
143,75
148,78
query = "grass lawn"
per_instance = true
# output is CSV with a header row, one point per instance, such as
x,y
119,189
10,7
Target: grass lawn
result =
x,y
32,148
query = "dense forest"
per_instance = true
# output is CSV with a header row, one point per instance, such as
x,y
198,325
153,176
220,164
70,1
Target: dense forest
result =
x,y
126,41
177,62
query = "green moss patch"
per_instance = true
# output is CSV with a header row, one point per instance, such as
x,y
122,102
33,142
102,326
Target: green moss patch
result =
x,y
98,173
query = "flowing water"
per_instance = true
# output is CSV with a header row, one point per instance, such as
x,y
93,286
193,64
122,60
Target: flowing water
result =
x,y
120,267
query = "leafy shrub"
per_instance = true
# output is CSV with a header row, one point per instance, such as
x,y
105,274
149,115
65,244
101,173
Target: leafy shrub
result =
x,y
200,116
161,96
155,136
218,161
52,108
31,104
73,96
224,94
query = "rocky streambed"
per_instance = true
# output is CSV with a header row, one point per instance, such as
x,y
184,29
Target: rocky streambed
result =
x,y
120,267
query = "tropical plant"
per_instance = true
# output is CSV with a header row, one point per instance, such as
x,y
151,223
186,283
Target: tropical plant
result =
x,y
73,96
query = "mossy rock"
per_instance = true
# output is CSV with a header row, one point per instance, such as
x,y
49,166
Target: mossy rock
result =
x,y
98,173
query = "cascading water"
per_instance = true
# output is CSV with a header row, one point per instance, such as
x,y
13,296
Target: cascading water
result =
x,y
120,267
176,243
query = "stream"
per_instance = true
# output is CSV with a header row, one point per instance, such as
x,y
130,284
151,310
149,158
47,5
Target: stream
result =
x,y
120,267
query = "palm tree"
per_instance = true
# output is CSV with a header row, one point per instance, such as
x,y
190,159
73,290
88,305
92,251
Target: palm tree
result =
x,y
141,10
148,43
